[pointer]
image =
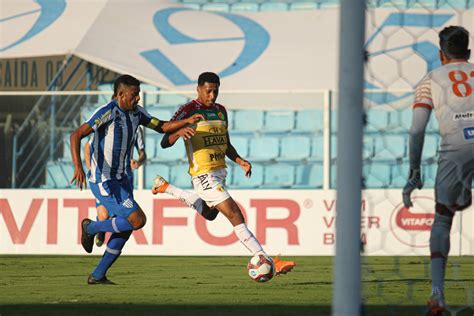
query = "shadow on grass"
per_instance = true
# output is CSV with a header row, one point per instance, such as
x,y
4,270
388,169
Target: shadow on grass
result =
x,y
205,310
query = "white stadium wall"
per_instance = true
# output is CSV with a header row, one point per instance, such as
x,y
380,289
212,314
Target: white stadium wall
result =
x,y
290,222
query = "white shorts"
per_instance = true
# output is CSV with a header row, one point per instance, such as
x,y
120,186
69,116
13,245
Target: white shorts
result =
x,y
211,187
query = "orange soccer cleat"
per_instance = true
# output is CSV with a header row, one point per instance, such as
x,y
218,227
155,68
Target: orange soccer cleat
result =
x,y
283,267
160,185
436,305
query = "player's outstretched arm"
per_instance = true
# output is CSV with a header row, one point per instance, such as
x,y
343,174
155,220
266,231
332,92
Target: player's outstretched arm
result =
x,y
232,154
173,126
79,177
170,139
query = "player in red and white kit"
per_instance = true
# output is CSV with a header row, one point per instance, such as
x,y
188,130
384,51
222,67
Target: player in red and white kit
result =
x,y
449,91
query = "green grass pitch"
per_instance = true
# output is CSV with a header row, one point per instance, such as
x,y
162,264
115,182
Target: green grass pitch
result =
x,y
56,285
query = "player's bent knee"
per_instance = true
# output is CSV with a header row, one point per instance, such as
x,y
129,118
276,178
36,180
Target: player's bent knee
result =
x,y
444,210
210,214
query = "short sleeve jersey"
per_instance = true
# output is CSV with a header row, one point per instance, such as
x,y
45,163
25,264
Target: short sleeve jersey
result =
x,y
206,149
113,140
448,90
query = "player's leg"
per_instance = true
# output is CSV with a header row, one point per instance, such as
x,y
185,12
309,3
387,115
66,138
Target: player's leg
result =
x,y
102,215
191,199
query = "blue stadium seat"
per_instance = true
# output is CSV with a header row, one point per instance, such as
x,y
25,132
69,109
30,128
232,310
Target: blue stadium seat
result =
x,y
430,146
309,176
329,4
309,120
240,181
154,169
248,120
279,176
217,7
453,4
377,175
294,148
400,174
274,6
241,145
279,121
263,149
390,147
368,147
294,6
317,149
160,113
174,153
244,7
377,120
406,117
180,177
174,100
150,145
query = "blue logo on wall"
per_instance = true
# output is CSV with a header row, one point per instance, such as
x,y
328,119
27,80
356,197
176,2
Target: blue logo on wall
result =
x,y
425,49
469,133
50,11
256,40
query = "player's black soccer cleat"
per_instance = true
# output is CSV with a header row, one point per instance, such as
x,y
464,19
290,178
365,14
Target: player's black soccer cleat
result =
x,y
93,281
87,240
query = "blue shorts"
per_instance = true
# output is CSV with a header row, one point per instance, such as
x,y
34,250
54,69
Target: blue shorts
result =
x,y
116,196
130,180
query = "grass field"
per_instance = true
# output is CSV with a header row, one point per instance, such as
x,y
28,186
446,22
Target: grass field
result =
x,y
56,285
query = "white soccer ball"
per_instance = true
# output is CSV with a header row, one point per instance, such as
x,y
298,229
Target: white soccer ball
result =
x,y
260,268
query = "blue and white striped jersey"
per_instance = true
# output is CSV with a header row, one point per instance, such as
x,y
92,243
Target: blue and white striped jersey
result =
x,y
114,137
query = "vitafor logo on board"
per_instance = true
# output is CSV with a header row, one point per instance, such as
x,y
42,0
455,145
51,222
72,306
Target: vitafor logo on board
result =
x,y
412,226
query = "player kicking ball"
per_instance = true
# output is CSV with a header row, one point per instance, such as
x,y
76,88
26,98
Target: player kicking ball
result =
x,y
207,145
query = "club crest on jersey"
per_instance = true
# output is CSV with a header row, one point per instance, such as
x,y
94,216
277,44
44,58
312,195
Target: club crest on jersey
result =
x,y
469,133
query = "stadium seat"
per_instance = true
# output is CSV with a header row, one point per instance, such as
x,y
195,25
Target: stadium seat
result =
x,y
376,175
294,6
400,174
309,121
150,145
160,112
279,176
263,149
377,120
241,145
406,116
329,4
174,153
240,181
217,7
390,147
152,170
244,7
248,120
368,147
279,121
180,177
175,100
430,146
317,149
274,6
309,176
294,148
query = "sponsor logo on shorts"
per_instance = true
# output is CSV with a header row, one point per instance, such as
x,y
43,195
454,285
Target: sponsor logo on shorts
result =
x,y
204,180
469,133
127,203
412,226
214,140
465,116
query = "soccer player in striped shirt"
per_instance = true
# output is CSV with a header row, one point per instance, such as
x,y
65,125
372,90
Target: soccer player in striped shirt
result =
x,y
114,126
448,91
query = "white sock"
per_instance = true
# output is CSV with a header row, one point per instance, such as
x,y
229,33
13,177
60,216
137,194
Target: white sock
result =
x,y
189,198
248,240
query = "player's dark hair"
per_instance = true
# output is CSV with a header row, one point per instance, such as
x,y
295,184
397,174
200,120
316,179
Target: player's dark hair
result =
x,y
208,77
126,80
454,42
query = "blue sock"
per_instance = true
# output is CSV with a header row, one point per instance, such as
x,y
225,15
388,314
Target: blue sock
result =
x,y
114,225
114,248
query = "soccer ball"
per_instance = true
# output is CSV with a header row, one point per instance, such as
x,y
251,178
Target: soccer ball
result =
x,y
260,268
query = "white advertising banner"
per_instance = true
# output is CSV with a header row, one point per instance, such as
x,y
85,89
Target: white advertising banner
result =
x,y
290,222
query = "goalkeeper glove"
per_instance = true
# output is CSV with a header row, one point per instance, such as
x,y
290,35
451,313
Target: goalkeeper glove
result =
x,y
414,182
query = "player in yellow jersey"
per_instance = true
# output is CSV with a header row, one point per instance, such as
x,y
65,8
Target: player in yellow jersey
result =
x,y
207,146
